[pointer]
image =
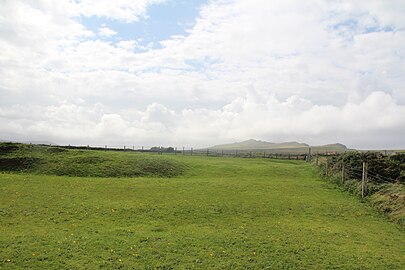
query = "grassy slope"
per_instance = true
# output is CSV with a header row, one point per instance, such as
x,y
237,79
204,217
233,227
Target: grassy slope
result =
x,y
58,161
223,213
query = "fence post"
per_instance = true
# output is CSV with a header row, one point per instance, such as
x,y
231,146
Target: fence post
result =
x,y
142,148
343,173
236,153
289,156
207,152
264,154
191,150
183,150
250,154
175,151
317,161
326,168
222,153
364,181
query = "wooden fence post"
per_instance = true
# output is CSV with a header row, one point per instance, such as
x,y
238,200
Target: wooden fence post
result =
x,y
326,168
207,152
191,150
364,181
317,160
250,154
343,173
183,150
222,153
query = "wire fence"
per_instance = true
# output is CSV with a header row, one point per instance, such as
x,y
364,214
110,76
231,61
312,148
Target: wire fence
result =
x,y
190,151
368,168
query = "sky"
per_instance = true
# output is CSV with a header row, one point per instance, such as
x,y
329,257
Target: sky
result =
x,y
203,72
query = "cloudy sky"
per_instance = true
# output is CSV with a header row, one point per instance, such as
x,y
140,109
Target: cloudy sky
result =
x,y
196,73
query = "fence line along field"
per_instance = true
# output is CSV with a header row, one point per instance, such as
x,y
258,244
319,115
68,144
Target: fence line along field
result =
x,y
376,177
76,209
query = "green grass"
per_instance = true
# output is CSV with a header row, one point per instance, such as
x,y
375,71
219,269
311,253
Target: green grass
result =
x,y
85,163
390,199
220,213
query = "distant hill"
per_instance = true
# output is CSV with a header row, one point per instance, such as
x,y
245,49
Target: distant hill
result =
x,y
336,147
285,147
256,144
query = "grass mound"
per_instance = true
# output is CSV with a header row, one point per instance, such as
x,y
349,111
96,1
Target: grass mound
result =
x,y
8,148
17,163
67,162
391,200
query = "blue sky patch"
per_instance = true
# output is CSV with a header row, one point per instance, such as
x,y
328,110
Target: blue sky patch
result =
x,y
161,22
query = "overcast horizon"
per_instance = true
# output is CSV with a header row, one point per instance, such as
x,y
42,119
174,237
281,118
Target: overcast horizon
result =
x,y
201,73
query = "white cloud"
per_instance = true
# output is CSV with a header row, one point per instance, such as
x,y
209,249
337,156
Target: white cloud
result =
x,y
106,32
123,10
319,72
378,115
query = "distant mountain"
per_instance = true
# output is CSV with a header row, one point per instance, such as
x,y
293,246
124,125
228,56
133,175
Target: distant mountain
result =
x,y
249,144
336,147
285,147
256,144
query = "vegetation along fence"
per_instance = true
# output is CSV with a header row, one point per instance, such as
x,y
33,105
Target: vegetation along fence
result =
x,y
368,171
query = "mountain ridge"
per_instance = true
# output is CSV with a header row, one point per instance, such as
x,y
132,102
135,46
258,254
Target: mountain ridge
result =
x,y
253,144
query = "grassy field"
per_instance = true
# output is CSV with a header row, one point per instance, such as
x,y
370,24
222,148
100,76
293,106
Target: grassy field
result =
x,y
213,213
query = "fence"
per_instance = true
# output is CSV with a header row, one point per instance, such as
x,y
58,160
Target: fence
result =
x,y
371,168
268,153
